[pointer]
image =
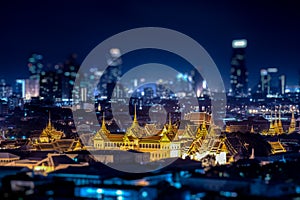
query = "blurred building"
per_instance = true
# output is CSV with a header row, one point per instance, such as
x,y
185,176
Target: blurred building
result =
x,y
239,73
111,75
20,88
271,82
15,101
70,69
5,90
35,66
3,107
50,86
32,88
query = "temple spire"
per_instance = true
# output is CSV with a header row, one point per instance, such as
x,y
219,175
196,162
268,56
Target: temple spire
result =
x,y
279,121
252,129
271,129
252,156
292,127
135,118
275,123
103,122
170,122
49,119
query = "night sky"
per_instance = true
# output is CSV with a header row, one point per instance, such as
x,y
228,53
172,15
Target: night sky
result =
x,y
58,28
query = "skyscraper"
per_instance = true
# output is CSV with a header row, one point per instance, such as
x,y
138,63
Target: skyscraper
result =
x,y
112,74
70,69
239,73
271,83
32,85
50,86
5,90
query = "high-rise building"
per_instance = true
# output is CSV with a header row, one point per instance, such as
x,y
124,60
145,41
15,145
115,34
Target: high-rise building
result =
x,y
111,75
271,83
5,90
282,84
15,101
263,86
239,73
32,87
50,86
20,88
70,69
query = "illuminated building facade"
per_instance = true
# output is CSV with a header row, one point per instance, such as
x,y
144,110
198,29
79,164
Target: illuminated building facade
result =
x,y
276,127
166,143
32,88
51,139
239,73
163,144
292,127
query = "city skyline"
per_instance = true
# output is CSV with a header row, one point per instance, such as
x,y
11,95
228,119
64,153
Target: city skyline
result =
x,y
149,99
53,30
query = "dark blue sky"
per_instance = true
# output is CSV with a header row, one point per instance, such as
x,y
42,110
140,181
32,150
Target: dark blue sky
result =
x,y
59,27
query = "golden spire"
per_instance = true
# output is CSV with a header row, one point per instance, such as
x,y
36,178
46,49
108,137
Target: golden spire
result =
x,y
276,124
271,129
252,154
252,129
135,118
292,127
170,123
49,118
103,127
203,131
279,121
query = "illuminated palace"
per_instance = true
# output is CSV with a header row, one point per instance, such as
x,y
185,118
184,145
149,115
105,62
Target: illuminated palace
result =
x,y
195,141
51,139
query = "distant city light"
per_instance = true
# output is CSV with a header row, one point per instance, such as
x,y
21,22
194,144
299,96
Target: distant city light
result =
x,y
263,72
239,43
119,192
272,70
115,52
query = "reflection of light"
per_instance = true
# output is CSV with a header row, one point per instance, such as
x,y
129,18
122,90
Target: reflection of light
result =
x,y
119,192
142,183
99,191
179,75
144,194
